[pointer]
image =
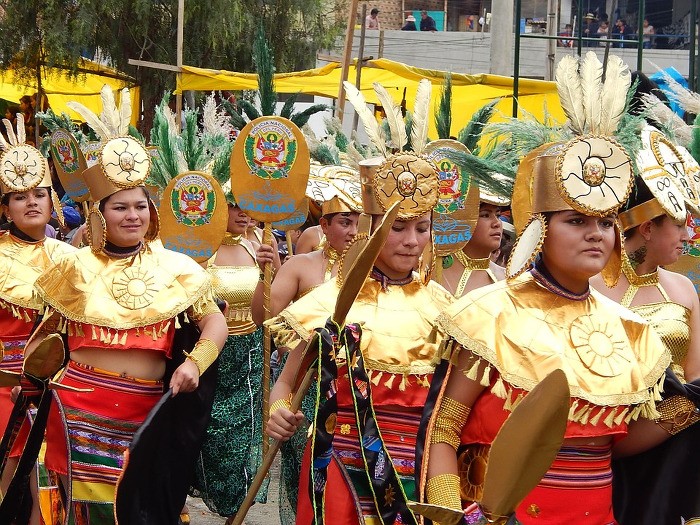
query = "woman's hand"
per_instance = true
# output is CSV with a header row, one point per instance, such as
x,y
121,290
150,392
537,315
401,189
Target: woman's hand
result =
x,y
283,424
264,255
14,394
185,378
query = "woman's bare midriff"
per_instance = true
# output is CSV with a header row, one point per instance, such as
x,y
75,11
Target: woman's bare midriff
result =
x,y
141,364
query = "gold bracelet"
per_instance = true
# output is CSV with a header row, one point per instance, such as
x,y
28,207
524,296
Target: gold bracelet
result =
x,y
285,402
451,418
203,354
443,490
677,413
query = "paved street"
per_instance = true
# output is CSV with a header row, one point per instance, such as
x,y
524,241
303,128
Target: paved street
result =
x,y
259,514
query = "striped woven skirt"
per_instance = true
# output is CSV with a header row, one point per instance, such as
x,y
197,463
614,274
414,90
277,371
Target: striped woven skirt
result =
x,y
576,489
94,429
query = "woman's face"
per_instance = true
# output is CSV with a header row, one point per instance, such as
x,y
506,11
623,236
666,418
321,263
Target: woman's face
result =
x,y
237,221
127,216
30,210
487,234
665,240
577,247
404,246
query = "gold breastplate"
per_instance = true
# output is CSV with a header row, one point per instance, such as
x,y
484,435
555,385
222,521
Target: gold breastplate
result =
x,y
671,322
236,285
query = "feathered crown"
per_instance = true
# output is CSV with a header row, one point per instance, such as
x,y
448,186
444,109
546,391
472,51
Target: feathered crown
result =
x,y
591,172
22,166
124,162
406,176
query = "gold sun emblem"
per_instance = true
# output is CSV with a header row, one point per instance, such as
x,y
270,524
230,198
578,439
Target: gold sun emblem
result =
x,y
597,347
134,288
389,496
125,162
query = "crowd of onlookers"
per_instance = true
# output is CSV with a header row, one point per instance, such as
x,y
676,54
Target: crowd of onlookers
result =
x,y
25,111
620,35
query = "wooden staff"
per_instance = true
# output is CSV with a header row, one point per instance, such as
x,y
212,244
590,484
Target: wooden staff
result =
x,y
267,300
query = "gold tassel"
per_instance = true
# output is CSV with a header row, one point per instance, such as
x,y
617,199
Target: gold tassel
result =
x,y
123,341
595,419
70,329
572,410
579,415
115,339
80,331
518,400
27,319
610,418
473,371
154,335
656,392
620,417
649,410
404,383
586,415
177,322
508,403
166,327
94,333
486,378
499,389
634,413
390,381
376,378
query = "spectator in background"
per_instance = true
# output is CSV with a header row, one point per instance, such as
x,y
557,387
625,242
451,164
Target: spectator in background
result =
x,y
603,33
590,30
372,20
410,24
73,220
568,32
427,23
621,32
647,32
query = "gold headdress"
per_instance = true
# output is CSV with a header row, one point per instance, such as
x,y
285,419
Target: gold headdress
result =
x,y
592,173
22,166
662,170
123,162
337,188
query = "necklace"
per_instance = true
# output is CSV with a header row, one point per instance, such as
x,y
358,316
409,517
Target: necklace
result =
x,y
333,257
386,281
469,266
543,277
637,281
231,240
119,252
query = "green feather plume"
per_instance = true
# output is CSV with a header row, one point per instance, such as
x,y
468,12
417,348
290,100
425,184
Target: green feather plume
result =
x,y
341,142
249,109
302,117
443,116
237,120
288,108
192,147
325,155
695,145
265,67
165,165
490,174
470,134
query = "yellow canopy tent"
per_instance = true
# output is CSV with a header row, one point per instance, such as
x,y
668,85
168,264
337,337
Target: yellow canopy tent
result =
x,y
470,92
59,89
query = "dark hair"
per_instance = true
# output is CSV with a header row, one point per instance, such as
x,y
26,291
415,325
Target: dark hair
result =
x,y
6,196
103,202
374,11
643,84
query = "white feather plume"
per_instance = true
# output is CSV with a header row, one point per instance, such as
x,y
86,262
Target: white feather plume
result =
x,y
688,100
591,74
571,93
614,98
21,132
4,146
92,120
310,136
110,114
393,117
665,116
372,128
11,137
354,155
124,112
421,109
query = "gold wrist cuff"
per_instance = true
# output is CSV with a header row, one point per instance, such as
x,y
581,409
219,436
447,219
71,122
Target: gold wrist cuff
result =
x,y
443,490
203,354
451,418
677,413
285,402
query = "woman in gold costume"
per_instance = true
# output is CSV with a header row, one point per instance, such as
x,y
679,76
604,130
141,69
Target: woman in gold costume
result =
x,y
117,305
25,253
654,224
503,339
232,451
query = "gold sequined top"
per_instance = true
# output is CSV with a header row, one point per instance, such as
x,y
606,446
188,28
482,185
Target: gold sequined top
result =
x,y
150,287
21,264
611,357
670,320
236,285
397,323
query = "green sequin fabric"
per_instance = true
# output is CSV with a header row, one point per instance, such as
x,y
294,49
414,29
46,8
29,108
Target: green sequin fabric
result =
x,y
232,451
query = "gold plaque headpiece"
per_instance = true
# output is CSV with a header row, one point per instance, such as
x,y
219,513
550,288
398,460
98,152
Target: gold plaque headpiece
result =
x,y
336,188
591,173
123,162
662,170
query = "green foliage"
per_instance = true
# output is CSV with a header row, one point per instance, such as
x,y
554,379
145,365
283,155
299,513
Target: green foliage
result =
x,y
264,65
237,120
191,146
341,142
288,106
471,133
489,173
443,116
249,109
302,117
695,145
325,155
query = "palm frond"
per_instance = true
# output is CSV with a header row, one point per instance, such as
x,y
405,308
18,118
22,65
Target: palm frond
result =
x,y
249,109
443,115
237,120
